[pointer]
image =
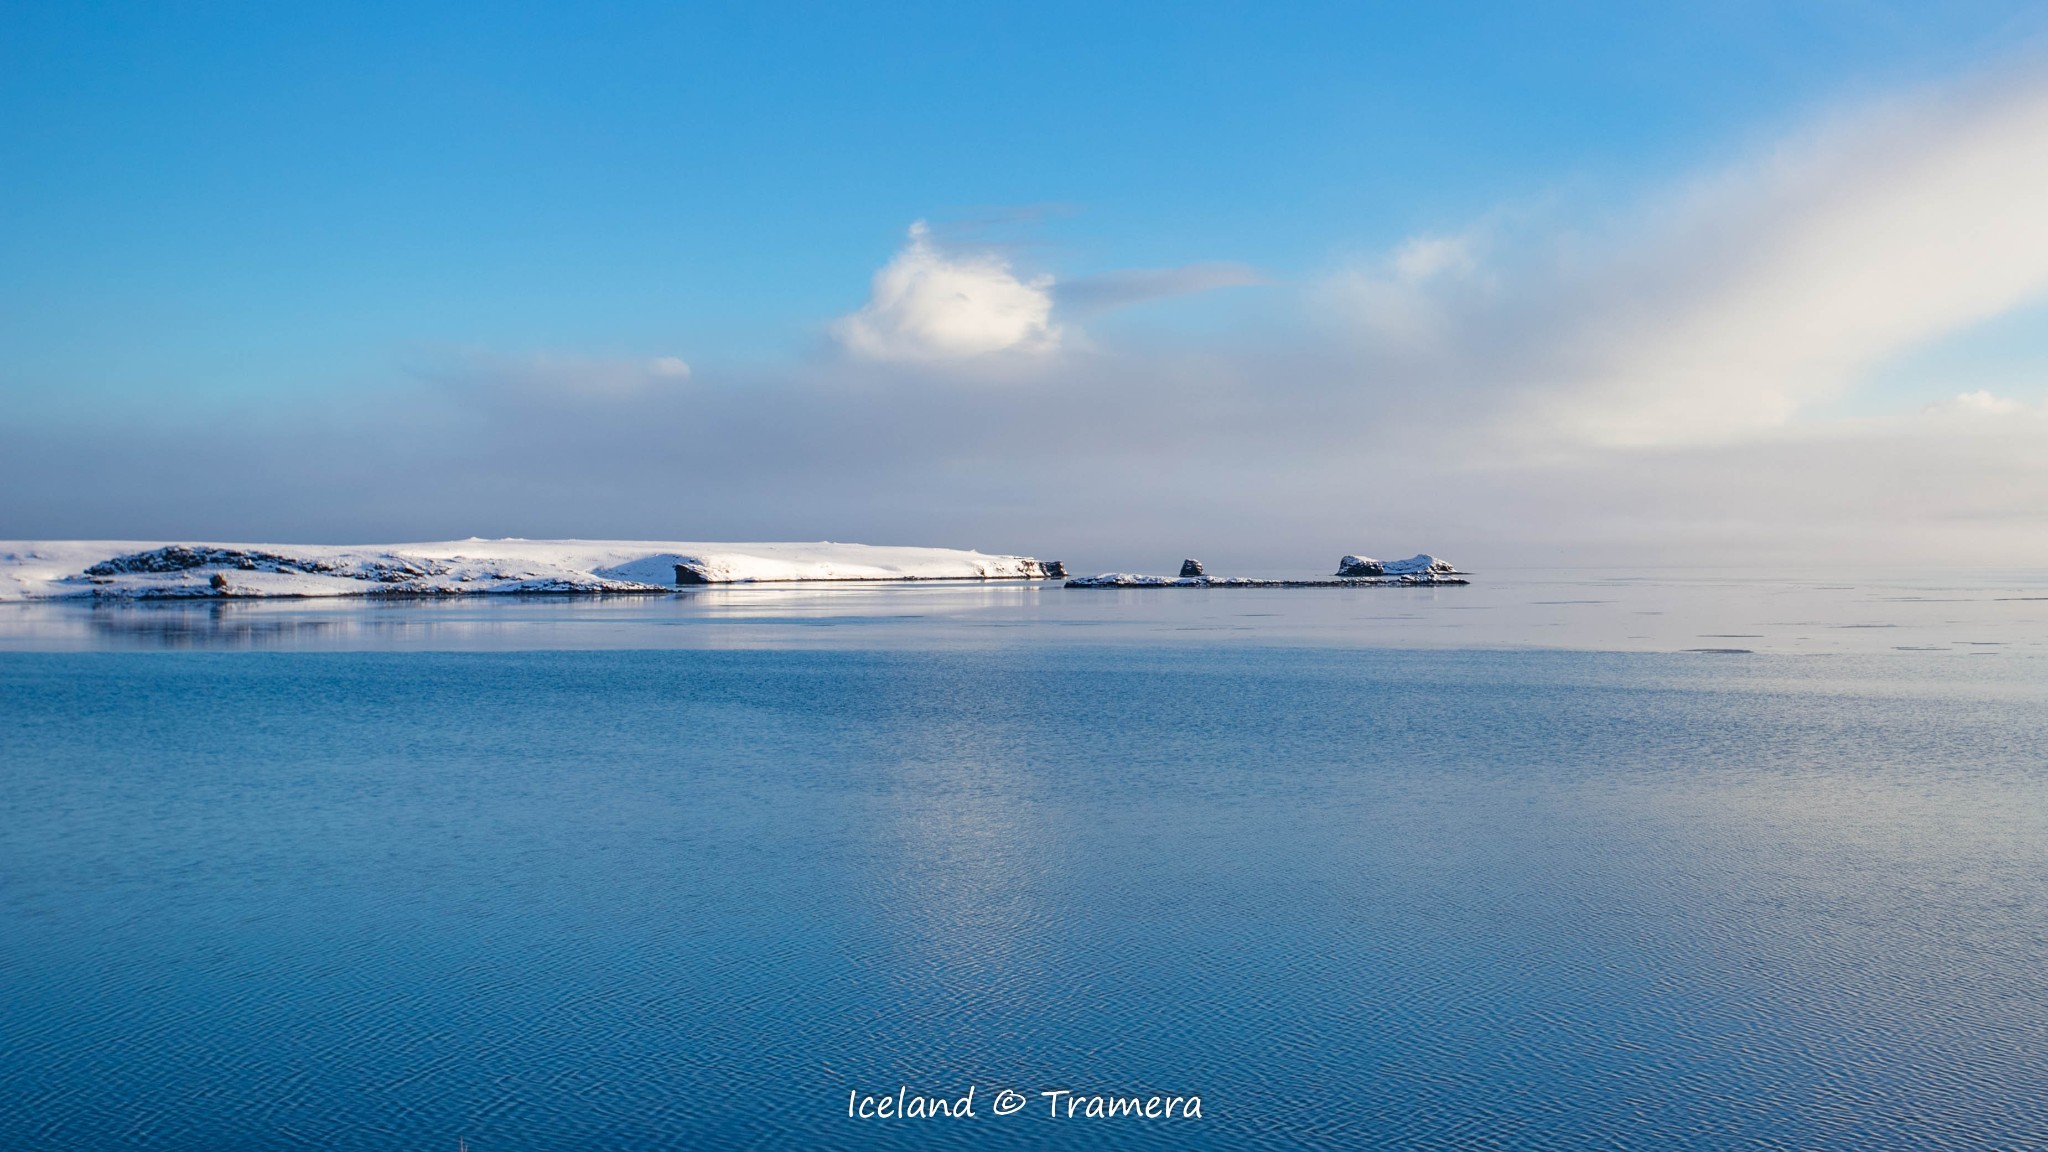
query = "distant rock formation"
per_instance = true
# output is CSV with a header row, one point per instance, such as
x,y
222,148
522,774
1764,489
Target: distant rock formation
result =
x,y
1132,580
1352,572
1055,569
1417,565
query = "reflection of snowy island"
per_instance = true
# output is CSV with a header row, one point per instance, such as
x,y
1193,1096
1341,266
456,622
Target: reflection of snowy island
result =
x,y
53,569
1352,572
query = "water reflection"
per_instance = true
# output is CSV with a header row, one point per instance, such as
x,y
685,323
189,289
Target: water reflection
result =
x,y
1670,611
216,625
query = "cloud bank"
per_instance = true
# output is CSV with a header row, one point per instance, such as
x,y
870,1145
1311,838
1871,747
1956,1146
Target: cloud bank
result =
x,y
1807,270
1732,305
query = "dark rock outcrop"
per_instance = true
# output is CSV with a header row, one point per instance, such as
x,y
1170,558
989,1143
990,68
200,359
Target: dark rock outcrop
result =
x,y
1190,568
178,558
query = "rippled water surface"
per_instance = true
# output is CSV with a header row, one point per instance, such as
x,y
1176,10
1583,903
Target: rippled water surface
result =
x,y
1351,897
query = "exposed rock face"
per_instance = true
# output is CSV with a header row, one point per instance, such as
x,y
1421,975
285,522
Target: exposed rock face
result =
x,y
1190,568
178,558
1055,569
691,574
1360,566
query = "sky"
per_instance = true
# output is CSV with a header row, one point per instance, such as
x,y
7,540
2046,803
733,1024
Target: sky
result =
x,y
1262,283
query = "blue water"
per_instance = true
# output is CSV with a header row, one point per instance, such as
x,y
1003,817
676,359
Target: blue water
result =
x,y
1349,898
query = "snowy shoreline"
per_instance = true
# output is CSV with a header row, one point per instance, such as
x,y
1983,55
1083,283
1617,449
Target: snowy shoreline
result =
x,y
62,569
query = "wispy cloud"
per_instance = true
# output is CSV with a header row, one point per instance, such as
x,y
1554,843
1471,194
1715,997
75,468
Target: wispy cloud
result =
x,y
544,376
1800,274
1110,290
1426,297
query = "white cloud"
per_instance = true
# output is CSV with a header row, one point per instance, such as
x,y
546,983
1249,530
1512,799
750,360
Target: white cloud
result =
x,y
669,368
930,305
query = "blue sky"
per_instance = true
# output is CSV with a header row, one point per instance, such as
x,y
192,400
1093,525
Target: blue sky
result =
x,y
218,214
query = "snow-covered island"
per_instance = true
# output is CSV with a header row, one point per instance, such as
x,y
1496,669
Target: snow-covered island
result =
x,y
1420,564
38,570
1352,572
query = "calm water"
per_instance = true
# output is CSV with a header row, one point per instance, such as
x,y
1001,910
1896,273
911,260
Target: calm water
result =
x,y
1819,613
692,895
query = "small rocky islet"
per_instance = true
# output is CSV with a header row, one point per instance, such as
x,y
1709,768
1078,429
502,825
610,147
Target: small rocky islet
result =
x,y
1353,571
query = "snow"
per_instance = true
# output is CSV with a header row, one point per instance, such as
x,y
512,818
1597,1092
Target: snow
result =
x,y
31,570
1418,564
1129,580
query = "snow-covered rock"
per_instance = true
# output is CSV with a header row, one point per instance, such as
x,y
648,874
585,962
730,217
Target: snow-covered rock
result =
x,y
1133,580
1124,580
1355,566
45,569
